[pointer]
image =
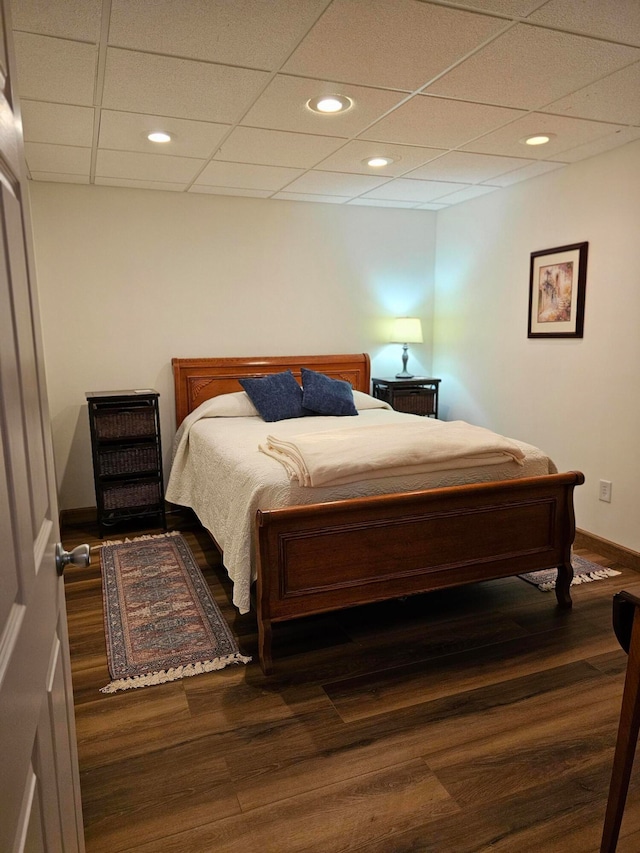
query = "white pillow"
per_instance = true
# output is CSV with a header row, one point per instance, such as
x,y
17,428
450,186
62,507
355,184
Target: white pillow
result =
x,y
234,405
366,401
238,405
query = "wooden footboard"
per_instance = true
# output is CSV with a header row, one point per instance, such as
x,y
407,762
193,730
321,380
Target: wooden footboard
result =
x,y
330,556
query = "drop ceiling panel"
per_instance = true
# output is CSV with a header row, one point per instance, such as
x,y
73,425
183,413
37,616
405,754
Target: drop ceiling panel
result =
x,y
567,133
251,33
438,122
196,188
60,177
405,189
326,199
510,8
618,20
71,19
60,124
246,176
377,202
146,167
68,159
333,183
615,98
163,85
398,45
57,70
466,194
352,158
276,147
282,106
531,171
530,67
467,168
128,132
599,146
135,183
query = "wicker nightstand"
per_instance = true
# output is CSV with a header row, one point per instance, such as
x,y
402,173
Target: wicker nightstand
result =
x,y
417,396
127,457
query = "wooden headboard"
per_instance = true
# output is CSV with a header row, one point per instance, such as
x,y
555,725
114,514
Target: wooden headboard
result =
x,y
200,379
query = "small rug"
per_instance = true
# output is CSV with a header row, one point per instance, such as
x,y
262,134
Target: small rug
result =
x,y
584,571
161,622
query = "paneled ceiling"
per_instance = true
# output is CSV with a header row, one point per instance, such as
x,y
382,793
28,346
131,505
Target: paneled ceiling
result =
x,y
446,90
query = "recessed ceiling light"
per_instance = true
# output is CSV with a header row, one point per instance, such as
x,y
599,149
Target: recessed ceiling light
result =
x,y
537,139
330,104
159,136
377,162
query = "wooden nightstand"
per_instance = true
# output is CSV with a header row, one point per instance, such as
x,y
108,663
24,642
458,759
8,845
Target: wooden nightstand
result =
x,y
127,457
417,396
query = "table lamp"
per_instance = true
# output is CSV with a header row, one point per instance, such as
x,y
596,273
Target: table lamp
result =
x,y
405,331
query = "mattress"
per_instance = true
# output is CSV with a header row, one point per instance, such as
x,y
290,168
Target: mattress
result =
x,y
220,472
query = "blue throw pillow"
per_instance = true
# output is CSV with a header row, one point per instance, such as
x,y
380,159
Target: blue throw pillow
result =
x,y
276,397
325,395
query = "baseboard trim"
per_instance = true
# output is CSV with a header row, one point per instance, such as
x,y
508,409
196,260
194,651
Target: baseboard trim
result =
x,y
626,556
89,514
79,515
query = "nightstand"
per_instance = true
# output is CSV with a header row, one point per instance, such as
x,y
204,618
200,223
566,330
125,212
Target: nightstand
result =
x,y
417,396
127,457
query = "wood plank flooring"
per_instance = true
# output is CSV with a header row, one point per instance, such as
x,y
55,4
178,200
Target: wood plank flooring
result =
x,y
477,719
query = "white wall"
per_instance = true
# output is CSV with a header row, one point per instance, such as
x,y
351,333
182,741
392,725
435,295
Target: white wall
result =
x,y
130,278
577,398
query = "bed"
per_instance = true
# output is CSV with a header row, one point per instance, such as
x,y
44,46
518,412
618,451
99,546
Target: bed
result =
x,y
313,550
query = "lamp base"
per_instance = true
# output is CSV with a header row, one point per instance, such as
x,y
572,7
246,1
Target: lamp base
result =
x,y
404,374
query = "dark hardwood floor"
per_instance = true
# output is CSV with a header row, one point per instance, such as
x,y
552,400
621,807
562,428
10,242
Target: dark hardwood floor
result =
x,y
476,719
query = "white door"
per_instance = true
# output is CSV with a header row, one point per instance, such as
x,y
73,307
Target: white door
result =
x,y
39,780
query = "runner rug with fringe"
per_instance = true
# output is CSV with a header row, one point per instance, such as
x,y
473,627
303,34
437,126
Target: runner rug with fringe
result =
x,y
584,571
161,622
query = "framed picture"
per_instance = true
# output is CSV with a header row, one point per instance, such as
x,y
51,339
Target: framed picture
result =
x,y
557,285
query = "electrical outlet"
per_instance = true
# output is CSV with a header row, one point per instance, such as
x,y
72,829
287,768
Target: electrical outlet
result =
x,y
605,491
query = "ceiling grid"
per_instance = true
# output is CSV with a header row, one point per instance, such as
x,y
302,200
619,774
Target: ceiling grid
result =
x,y
445,91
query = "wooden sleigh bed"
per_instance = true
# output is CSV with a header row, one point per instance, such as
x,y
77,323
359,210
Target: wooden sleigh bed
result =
x,y
383,547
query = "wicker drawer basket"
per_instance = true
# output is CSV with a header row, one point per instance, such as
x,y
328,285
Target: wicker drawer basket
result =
x,y
128,423
125,495
127,460
421,402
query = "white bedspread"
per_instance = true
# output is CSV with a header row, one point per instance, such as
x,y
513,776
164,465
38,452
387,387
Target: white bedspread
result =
x,y
221,474
422,445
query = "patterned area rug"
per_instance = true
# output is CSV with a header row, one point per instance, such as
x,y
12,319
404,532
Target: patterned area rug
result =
x,y
161,622
584,571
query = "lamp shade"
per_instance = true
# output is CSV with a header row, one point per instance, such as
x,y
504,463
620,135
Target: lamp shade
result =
x,y
406,330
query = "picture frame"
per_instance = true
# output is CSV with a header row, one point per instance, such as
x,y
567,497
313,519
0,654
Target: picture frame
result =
x,y
557,284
